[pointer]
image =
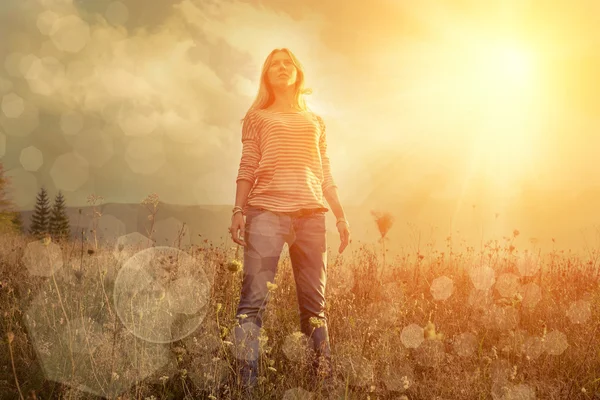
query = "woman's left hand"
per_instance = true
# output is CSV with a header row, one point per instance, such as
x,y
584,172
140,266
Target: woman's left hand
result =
x,y
344,235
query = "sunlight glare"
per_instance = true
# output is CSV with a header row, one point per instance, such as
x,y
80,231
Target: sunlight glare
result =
x,y
514,65
502,84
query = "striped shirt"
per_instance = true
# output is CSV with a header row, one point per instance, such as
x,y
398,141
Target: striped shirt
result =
x,y
285,156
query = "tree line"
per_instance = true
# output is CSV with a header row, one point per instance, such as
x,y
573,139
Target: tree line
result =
x,y
46,220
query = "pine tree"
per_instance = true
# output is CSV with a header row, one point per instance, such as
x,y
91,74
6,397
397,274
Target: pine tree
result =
x,y
59,221
7,207
40,216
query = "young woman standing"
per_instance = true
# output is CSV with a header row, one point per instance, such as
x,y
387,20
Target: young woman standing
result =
x,y
283,179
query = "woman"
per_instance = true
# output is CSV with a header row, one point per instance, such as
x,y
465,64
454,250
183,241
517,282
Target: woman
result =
x,y
283,177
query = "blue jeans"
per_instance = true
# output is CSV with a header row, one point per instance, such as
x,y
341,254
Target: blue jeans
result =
x,y
265,234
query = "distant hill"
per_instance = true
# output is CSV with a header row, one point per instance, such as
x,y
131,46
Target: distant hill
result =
x,y
542,216
206,222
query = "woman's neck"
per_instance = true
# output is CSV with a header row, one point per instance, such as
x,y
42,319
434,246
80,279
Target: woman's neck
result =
x,y
284,98
282,105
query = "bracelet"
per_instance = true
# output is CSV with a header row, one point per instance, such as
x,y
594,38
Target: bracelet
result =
x,y
237,211
342,219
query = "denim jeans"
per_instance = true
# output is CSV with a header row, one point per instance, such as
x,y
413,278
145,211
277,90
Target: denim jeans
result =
x,y
265,234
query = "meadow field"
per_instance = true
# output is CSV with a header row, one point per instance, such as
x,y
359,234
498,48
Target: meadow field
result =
x,y
134,320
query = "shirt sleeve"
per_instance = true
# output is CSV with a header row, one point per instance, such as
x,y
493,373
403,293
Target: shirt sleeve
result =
x,y
250,149
328,181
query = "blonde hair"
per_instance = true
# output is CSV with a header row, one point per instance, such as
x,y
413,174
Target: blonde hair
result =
x,y
265,96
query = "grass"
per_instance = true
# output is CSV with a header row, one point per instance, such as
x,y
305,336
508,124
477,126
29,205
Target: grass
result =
x,y
457,324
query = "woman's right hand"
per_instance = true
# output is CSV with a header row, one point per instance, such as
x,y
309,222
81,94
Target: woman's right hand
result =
x,y
237,228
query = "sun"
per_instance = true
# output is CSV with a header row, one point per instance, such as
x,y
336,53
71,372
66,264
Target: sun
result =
x,y
503,85
514,65
510,73
502,71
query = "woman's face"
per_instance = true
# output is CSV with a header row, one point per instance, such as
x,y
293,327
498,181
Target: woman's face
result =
x,y
282,72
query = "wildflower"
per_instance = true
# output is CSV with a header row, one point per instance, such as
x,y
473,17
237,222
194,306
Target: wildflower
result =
x,y
224,332
430,330
46,240
272,369
163,379
93,198
544,333
518,296
271,286
151,199
243,316
405,382
583,390
316,322
262,338
513,375
234,265
504,302
115,376
11,337
219,306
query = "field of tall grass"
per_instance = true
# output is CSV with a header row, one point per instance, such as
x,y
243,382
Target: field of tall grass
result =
x,y
85,319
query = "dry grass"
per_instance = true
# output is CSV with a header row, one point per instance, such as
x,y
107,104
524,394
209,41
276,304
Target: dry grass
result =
x,y
402,333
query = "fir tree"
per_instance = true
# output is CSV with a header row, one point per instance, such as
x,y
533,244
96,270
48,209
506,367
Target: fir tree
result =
x,y
40,216
59,221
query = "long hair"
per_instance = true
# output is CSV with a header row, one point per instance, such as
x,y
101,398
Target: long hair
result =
x,y
265,96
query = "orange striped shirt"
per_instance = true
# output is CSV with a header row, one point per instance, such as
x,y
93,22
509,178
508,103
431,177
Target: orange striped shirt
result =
x,y
285,156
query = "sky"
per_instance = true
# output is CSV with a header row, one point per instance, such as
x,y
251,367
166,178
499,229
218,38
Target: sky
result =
x,y
461,100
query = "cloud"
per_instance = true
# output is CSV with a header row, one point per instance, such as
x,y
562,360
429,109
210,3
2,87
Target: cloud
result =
x,y
146,83
385,79
254,30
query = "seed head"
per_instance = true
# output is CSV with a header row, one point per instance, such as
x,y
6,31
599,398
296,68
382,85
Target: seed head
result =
x,y
384,221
